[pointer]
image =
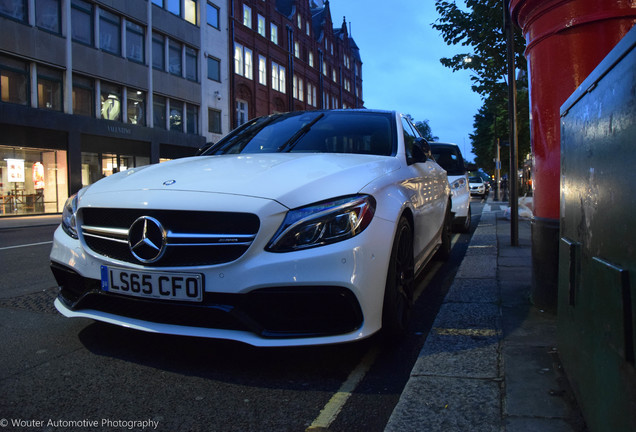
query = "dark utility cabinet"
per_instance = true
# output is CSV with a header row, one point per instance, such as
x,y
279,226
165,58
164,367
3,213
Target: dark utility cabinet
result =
x,y
597,251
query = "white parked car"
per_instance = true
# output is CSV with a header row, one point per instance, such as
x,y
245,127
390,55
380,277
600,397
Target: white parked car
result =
x,y
450,158
477,186
295,229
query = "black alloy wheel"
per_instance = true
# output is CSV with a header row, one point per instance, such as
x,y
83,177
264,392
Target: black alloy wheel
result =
x,y
400,283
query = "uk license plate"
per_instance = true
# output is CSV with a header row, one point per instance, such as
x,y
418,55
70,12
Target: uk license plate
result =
x,y
155,285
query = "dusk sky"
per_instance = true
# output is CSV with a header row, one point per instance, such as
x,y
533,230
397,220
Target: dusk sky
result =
x,y
401,69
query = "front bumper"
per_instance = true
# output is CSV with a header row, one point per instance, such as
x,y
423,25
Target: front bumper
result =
x,y
324,295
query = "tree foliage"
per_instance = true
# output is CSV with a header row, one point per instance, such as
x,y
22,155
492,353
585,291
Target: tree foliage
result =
x,y
478,26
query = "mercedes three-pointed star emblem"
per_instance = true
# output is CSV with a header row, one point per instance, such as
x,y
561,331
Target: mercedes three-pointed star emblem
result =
x,y
147,239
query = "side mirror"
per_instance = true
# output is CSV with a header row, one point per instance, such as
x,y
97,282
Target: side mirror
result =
x,y
421,150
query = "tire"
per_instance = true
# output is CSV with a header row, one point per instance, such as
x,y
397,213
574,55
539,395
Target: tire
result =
x,y
444,251
400,283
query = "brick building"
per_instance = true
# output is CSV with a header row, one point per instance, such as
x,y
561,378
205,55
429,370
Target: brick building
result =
x,y
289,57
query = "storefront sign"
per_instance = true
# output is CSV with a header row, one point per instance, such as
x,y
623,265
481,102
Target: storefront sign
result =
x,y
16,170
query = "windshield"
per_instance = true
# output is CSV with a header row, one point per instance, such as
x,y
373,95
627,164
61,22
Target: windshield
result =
x,y
449,158
312,132
475,180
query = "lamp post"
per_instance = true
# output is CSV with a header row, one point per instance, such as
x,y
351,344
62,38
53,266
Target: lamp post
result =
x,y
512,116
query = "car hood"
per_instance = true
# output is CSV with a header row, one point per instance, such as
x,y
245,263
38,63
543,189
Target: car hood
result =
x,y
292,179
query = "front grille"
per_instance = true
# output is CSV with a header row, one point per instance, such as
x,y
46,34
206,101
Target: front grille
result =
x,y
193,238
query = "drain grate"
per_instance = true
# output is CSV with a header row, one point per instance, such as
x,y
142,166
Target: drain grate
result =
x,y
41,301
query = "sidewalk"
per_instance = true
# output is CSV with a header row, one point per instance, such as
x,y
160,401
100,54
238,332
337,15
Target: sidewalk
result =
x,y
27,221
490,362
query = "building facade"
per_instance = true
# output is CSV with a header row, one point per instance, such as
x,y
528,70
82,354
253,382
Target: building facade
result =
x,y
288,57
92,87
89,88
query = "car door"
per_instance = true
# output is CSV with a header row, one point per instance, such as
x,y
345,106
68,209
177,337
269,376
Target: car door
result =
x,y
427,186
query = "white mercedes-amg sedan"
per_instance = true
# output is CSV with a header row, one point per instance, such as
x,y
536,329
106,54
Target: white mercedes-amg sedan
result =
x,y
302,228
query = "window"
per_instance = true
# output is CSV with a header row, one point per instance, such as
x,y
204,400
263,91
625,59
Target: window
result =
x,y
159,112
273,33
82,22
14,81
260,25
47,15
49,88
176,115
110,98
241,112
334,75
297,49
158,3
278,77
16,9
324,68
311,59
214,69
158,52
299,21
191,11
136,109
134,42
214,121
212,15
409,138
262,70
174,58
173,6
298,91
191,64
192,119
109,33
83,96
311,94
307,30
243,61
247,16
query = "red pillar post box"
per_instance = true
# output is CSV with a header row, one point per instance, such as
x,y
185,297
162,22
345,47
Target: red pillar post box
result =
x,y
565,41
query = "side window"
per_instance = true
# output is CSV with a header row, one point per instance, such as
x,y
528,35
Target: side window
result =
x,y
409,138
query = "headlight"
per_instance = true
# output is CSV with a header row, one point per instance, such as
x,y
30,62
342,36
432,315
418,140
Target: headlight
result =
x,y
323,223
458,184
68,216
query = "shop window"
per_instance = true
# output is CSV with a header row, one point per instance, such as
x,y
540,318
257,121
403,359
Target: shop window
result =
x,y
159,112
134,42
110,98
32,180
16,9
191,64
214,69
136,109
83,96
191,11
174,58
47,15
212,13
158,52
109,32
82,22
49,88
14,81
192,119
214,121
176,115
